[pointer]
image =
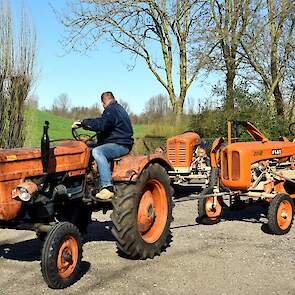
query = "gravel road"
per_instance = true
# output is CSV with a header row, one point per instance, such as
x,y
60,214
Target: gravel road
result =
x,y
232,257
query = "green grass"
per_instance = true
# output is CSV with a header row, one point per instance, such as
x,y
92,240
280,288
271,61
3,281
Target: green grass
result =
x,y
59,127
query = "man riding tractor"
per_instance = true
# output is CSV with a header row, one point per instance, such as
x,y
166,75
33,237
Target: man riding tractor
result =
x,y
114,126
52,190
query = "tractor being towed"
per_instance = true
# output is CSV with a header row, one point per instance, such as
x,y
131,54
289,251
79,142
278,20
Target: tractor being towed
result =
x,y
251,172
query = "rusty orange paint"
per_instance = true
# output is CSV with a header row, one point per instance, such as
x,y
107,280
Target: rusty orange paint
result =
x,y
77,172
16,165
179,149
284,215
250,153
67,258
279,187
268,187
146,214
8,206
213,208
152,211
255,133
31,188
129,167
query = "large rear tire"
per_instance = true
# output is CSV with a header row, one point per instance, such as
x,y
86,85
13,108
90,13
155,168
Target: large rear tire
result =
x,y
142,214
61,256
280,214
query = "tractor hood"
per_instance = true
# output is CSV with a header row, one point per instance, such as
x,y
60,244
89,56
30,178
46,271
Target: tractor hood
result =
x,y
26,162
16,165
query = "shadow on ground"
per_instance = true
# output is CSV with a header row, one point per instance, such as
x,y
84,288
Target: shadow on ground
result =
x,y
30,250
250,214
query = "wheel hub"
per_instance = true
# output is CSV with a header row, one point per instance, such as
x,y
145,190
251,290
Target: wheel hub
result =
x,y
284,214
67,257
212,207
146,212
152,211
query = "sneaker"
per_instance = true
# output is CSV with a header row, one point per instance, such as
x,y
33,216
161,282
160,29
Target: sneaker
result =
x,y
104,194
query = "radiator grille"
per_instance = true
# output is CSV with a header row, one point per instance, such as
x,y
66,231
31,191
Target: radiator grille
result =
x,y
182,153
171,153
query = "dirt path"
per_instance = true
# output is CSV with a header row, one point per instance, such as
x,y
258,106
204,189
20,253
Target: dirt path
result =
x,y
233,257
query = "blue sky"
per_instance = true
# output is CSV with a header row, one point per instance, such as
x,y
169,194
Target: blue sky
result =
x,y
82,77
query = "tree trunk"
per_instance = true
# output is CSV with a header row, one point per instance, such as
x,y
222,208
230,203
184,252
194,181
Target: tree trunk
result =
x,y
229,97
178,110
279,102
292,108
271,104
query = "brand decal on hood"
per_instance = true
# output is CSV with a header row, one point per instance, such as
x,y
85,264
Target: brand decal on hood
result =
x,y
276,152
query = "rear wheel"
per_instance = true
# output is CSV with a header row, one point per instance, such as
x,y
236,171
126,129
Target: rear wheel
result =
x,y
61,256
210,210
280,214
142,214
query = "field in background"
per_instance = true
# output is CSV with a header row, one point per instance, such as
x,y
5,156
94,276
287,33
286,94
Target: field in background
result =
x,y
61,128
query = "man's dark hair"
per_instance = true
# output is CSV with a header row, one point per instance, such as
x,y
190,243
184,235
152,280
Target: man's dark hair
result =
x,y
108,94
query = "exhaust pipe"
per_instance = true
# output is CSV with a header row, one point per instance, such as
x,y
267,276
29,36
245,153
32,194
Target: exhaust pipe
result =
x,y
45,146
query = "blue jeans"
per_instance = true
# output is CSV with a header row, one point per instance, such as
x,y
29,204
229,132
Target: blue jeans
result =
x,y
104,153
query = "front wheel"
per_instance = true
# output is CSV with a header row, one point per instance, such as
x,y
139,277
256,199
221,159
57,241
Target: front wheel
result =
x,y
61,256
210,210
142,214
280,214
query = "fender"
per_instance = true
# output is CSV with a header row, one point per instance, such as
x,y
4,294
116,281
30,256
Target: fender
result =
x,y
129,167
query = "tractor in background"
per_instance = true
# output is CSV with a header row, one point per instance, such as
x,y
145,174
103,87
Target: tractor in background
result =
x,y
252,172
191,165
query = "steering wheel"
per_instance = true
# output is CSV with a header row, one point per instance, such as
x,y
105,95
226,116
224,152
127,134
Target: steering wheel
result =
x,y
292,128
82,136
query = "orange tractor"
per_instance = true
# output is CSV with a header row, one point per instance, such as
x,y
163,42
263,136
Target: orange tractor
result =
x,y
50,190
260,170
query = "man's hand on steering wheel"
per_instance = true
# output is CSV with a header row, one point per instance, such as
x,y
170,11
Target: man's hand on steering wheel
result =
x,y
76,125
81,136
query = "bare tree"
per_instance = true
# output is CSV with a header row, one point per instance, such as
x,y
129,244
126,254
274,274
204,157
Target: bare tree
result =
x,y
162,33
125,105
17,56
79,113
61,105
268,46
157,107
33,101
229,22
190,106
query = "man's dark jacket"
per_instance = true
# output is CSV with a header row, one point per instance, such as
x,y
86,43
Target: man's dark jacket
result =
x,y
113,126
